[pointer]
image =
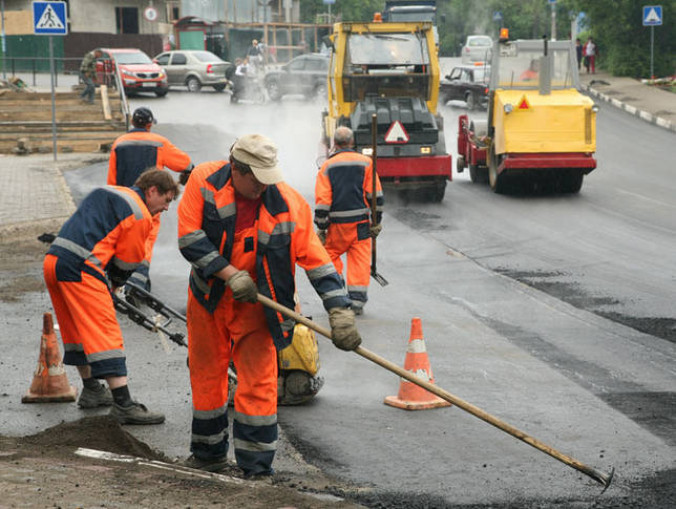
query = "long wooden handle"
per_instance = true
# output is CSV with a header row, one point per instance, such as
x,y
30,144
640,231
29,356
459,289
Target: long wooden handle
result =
x,y
597,475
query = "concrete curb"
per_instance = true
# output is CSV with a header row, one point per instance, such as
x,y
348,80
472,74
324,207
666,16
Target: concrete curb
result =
x,y
633,110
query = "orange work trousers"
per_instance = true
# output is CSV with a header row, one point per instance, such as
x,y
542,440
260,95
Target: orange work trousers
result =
x,y
352,239
86,316
239,332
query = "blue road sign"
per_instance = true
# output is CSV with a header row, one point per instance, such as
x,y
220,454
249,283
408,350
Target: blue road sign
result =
x,y
652,15
49,18
328,2
497,16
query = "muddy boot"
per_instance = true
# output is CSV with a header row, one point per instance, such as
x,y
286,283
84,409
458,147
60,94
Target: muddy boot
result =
x,y
136,413
208,465
92,398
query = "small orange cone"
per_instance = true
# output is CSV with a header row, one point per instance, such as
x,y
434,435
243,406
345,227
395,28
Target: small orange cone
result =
x,y
50,383
412,396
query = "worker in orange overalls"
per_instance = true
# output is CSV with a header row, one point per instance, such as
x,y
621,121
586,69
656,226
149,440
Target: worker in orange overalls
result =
x,y
244,230
343,194
95,252
132,154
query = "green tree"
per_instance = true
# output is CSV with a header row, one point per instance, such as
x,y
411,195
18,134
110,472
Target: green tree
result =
x,y
624,43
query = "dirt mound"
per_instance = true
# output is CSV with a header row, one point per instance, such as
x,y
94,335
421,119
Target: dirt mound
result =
x,y
100,432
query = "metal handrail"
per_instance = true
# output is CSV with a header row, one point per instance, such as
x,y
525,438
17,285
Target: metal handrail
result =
x,y
123,96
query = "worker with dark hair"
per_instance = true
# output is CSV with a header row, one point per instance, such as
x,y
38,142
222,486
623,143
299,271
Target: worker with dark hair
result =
x,y
133,153
94,254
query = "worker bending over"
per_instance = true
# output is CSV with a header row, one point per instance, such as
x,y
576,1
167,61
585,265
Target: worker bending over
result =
x,y
244,230
343,194
94,253
132,154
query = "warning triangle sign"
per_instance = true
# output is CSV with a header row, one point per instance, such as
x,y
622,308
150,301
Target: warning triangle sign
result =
x,y
49,19
396,133
523,103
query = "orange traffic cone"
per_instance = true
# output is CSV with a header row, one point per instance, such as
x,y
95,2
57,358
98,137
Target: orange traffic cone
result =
x,y
412,396
50,383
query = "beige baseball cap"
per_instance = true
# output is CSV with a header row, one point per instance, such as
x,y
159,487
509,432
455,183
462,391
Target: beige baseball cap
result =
x,y
260,153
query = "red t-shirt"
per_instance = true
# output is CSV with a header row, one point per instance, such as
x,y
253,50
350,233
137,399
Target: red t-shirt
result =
x,y
247,211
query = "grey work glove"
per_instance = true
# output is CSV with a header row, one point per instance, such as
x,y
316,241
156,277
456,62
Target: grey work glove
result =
x,y
322,236
243,287
375,229
344,333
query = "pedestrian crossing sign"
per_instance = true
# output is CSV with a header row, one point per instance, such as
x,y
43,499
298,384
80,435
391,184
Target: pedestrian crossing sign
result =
x,y
49,18
652,15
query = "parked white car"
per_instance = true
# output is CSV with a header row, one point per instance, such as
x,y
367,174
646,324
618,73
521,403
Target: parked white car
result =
x,y
477,48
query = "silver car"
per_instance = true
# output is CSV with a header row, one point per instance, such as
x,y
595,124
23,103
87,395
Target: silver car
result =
x,y
194,69
477,49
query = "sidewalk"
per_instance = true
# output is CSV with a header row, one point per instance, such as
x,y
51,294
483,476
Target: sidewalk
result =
x,y
34,197
647,102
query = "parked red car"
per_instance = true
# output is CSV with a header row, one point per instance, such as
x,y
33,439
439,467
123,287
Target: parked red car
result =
x,y
137,71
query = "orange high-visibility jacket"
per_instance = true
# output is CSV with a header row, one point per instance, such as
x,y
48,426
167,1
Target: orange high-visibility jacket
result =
x,y
206,230
344,190
105,236
135,152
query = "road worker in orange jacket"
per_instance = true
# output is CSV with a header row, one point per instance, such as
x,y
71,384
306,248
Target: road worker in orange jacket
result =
x,y
343,194
95,252
244,230
132,154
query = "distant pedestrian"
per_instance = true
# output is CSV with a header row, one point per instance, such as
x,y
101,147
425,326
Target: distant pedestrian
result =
x,y
578,52
88,75
590,51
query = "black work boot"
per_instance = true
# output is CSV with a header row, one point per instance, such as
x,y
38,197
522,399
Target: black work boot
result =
x,y
136,413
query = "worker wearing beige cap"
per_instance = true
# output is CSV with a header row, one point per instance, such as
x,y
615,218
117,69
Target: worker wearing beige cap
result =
x,y
244,230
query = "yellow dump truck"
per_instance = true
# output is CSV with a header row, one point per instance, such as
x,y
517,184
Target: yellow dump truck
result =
x,y
540,130
390,70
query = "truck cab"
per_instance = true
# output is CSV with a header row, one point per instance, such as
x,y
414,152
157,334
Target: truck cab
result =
x,y
390,70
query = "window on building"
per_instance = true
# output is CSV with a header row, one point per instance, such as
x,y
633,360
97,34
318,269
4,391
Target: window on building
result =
x,y
173,11
126,20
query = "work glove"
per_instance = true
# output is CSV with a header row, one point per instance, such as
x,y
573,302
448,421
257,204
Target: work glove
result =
x,y
322,236
243,287
344,333
183,178
375,229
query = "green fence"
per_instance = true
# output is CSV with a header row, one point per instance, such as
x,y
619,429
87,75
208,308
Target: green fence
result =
x,y
30,53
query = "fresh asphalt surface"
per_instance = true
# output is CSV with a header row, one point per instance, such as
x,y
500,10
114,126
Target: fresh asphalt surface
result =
x,y
564,374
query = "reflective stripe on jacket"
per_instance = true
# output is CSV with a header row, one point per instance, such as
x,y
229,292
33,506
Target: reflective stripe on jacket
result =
x,y
206,230
106,235
135,152
344,190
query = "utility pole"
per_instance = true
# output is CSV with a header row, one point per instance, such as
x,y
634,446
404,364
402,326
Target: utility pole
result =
x,y
553,4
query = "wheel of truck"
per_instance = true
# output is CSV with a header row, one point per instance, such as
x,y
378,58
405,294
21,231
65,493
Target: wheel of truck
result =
x,y
478,175
193,84
436,193
572,183
497,182
470,100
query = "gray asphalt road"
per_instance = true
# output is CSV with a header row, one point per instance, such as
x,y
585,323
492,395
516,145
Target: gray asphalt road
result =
x,y
539,356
